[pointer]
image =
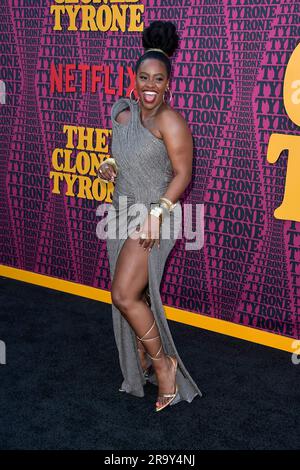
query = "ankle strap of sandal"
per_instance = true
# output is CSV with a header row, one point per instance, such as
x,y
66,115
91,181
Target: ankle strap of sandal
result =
x,y
142,339
150,339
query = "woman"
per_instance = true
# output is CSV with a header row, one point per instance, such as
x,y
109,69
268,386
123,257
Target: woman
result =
x,y
152,158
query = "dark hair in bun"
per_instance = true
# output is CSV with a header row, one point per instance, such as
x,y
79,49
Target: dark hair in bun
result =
x,y
159,35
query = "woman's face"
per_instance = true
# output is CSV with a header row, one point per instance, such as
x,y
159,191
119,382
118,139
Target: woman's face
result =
x,y
152,77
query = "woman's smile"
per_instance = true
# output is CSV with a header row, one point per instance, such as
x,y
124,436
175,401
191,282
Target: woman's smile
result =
x,y
149,96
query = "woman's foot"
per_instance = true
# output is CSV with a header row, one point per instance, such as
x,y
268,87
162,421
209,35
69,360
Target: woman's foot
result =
x,y
166,377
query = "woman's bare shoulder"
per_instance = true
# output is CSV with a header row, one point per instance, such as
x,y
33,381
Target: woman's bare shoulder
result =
x,y
123,115
172,121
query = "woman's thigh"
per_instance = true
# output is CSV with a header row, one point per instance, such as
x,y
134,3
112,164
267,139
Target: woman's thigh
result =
x,y
131,272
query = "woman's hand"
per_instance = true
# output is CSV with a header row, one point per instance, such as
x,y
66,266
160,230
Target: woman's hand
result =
x,y
106,172
150,233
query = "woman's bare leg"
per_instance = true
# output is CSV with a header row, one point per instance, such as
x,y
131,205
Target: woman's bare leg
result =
x,y
129,282
140,347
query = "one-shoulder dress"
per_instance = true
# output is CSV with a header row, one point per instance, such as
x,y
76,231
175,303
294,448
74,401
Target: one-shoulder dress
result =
x,y
145,172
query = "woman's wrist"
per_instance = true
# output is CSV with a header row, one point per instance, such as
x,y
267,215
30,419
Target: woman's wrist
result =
x,y
165,211
162,208
157,212
163,201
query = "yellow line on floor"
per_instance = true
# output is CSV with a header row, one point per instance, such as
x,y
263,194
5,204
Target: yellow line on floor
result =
x,y
194,319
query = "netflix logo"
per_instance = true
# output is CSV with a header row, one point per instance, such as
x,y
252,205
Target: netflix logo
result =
x,y
73,78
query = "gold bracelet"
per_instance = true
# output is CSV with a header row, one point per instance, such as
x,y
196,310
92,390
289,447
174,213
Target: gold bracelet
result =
x,y
157,212
168,202
165,209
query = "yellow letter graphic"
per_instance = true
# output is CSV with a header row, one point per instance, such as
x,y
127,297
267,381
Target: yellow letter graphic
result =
x,y
290,206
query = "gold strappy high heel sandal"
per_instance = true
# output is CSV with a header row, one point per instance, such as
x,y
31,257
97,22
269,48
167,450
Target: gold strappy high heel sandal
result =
x,y
174,361
148,370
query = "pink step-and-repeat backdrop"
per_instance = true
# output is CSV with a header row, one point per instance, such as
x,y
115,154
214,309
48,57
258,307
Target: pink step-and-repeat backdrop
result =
x,y
65,62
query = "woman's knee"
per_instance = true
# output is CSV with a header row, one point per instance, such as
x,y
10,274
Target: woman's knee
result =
x,y
122,299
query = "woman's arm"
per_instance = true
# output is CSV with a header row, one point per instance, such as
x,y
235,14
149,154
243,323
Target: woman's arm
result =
x,y
108,170
179,143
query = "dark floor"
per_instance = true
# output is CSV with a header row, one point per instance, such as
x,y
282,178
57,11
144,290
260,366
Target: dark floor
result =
x,y
59,387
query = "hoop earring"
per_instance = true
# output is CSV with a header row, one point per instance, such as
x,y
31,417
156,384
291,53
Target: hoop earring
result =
x,y
133,101
171,95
